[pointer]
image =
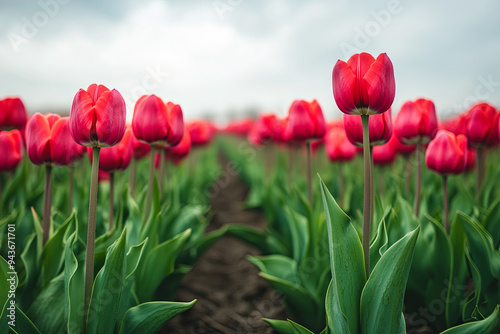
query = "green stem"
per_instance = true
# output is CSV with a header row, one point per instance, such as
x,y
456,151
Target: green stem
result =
x,y
418,181
407,173
309,173
149,195
131,181
162,168
47,202
481,166
341,184
89,257
291,157
446,223
111,199
372,187
71,181
367,195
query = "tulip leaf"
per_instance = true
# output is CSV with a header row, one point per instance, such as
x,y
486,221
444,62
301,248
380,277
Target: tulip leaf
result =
x,y
150,317
74,280
50,319
490,325
492,223
472,301
4,292
379,244
346,264
277,265
23,324
383,294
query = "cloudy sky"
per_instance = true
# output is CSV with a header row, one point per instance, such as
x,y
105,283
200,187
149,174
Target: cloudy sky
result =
x,y
224,58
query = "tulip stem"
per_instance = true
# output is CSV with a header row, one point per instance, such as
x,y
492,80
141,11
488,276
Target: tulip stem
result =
x,y
446,223
341,185
131,181
89,257
162,168
47,203
418,181
407,173
367,194
309,173
372,187
481,166
111,199
71,181
149,195
291,157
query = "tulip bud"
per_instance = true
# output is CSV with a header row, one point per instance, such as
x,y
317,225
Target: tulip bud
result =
x,y
265,130
201,132
240,127
338,147
482,125
305,121
117,157
156,122
447,153
416,122
11,150
380,129
48,140
384,155
12,113
364,85
97,117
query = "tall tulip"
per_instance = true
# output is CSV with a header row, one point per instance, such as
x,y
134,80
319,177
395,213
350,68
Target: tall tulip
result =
x,y
482,132
447,154
305,123
364,86
12,114
97,119
416,124
48,142
11,150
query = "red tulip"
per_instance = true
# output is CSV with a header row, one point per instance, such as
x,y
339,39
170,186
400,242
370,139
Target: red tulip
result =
x,y
457,125
48,140
179,152
157,122
11,150
140,148
240,127
338,147
447,153
364,85
380,129
201,132
416,122
266,129
385,154
471,159
97,117
12,113
305,121
482,125
117,157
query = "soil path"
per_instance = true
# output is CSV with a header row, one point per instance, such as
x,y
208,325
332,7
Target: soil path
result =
x,y
232,298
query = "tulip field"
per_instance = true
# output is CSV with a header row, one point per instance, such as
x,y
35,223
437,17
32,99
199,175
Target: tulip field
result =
x,y
386,220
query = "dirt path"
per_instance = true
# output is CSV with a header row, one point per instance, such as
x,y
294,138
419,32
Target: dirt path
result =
x,y
232,298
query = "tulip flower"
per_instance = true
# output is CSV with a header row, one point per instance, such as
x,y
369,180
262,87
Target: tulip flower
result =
x,y
265,130
240,127
380,129
384,155
140,149
11,150
201,132
12,114
447,154
416,124
181,151
482,132
364,86
97,119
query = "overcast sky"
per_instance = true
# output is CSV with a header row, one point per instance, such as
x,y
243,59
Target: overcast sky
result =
x,y
226,57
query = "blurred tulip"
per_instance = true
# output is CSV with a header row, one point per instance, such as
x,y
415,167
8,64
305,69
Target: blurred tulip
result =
x,y
12,113
338,146
117,157
384,155
201,132
239,127
416,122
140,148
181,151
364,85
457,125
402,148
471,159
265,130
482,125
11,150
447,153
97,117
157,122
380,129
48,140
305,121
103,176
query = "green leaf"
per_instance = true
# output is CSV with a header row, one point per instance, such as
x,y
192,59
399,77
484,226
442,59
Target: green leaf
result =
x,y
148,318
5,273
346,264
383,295
23,324
50,319
74,280
492,222
490,325
277,265
379,244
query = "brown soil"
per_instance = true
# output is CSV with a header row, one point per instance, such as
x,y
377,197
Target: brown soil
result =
x,y
232,297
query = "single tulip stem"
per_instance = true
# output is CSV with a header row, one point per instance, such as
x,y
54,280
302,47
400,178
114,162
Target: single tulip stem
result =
x,y
162,168
111,199
481,166
367,194
309,173
149,195
418,181
341,184
407,173
133,172
89,257
47,203
372,186
446,222
71,182
291,157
